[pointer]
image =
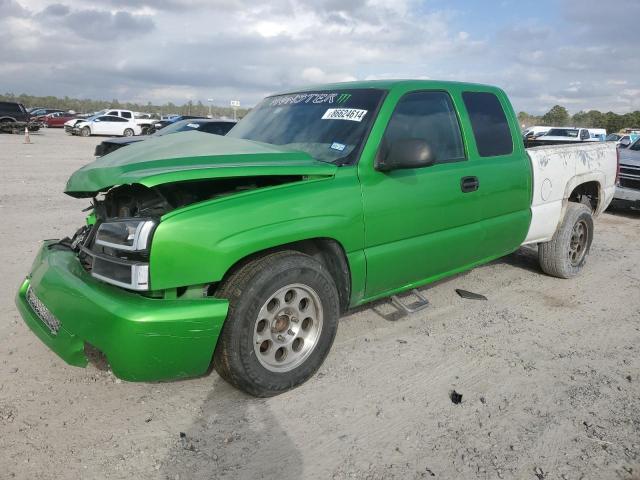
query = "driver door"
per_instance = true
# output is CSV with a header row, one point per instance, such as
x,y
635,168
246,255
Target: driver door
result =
x,y
420,222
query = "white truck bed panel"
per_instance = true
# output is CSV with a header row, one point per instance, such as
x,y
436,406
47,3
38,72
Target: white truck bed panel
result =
x,y
557,170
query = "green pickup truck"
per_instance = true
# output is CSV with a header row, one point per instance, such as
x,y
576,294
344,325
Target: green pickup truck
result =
x,y
243,251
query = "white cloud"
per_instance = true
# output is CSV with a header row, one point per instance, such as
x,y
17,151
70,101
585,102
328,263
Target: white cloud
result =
x,y
317,75
176,50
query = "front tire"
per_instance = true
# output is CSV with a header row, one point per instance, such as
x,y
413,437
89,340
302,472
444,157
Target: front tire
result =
x,y
282,320
566,253
128,132
85,132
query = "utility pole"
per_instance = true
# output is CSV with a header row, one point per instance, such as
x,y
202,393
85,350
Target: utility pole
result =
x,y
235,104
210,100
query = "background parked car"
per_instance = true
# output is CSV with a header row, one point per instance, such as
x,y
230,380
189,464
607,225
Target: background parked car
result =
x,y
13,112
217,127
597,135
628,188
560,136
107,125
534,132
163,123
58,119
41,112
14,117
70,124
625,140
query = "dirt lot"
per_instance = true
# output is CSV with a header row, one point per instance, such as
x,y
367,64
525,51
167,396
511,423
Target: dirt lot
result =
x,y
549,371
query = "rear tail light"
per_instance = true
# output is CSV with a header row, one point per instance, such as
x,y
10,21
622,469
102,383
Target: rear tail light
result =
x,y
617,167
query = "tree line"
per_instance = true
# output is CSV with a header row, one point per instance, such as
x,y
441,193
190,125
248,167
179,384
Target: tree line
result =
x,y
558,116
84,105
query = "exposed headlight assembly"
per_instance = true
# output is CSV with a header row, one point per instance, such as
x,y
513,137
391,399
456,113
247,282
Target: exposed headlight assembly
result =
x,y
129,269
130,235
130,275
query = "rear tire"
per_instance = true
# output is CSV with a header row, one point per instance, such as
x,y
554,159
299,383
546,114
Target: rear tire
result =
x,y
282,320
128,132
85,132
566,253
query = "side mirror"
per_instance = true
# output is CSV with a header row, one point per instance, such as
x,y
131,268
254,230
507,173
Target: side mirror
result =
x,y
625,142
405,153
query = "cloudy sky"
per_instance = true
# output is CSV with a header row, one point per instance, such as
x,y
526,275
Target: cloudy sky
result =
x,y
579,53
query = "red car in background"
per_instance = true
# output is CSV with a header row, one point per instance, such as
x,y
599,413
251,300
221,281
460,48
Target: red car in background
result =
x,y
57,119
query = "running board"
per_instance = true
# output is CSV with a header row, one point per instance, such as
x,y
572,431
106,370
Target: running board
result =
x,y
421,304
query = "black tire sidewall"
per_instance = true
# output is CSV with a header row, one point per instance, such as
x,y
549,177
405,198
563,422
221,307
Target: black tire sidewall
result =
x,y
85,129
241,323
577,215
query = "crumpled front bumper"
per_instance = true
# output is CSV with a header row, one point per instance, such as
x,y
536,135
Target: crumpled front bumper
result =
x,y
144,339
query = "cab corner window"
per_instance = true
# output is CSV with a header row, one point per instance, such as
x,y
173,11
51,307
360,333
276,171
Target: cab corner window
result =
x,y
428,116
489,123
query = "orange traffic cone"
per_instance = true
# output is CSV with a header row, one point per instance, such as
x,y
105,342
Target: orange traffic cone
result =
x,y
27,139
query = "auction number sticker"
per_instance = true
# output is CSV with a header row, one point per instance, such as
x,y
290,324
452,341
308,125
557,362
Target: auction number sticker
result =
x,y
353,114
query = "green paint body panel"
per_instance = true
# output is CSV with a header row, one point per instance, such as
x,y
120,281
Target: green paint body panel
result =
x,y
190,156
398,229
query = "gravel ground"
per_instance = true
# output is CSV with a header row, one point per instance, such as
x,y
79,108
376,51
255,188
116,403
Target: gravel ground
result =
x,y
549,371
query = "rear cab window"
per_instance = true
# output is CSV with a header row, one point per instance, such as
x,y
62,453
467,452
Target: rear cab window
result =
x,y
489,123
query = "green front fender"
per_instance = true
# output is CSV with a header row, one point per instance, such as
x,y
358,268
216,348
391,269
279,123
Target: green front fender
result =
x,y
199,244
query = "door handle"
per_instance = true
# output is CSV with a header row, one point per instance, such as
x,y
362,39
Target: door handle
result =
x,y
469,184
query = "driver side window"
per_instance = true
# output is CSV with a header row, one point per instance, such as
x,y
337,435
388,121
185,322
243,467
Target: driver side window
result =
x,y
428,116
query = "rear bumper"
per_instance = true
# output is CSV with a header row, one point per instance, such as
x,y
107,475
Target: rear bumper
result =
x,y
143,339
627,194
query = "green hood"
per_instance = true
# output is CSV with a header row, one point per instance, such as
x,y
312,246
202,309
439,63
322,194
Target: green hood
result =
x,y
190,156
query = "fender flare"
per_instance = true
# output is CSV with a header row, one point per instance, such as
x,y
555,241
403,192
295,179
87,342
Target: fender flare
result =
x,y
597,177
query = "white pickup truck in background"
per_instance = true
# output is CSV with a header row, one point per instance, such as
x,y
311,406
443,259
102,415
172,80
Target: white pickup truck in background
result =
x,y
628,186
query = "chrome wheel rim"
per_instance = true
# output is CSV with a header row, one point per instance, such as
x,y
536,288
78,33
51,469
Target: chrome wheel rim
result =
x,y
578,243
288,328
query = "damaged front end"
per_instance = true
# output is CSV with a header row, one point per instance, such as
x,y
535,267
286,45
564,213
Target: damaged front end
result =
x,y
134,281
114,246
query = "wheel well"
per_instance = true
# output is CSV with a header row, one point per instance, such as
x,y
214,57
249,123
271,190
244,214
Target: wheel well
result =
x,y
327,251
587,193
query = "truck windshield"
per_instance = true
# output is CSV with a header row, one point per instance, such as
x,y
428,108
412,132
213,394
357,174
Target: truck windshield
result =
x,y
328,125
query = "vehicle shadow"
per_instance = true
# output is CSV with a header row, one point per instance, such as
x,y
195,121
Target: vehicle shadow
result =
x,y
526,258
624,212
234,436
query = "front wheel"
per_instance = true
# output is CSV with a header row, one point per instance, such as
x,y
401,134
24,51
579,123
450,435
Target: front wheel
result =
x,y
85,132
283,317
128,132
566,253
